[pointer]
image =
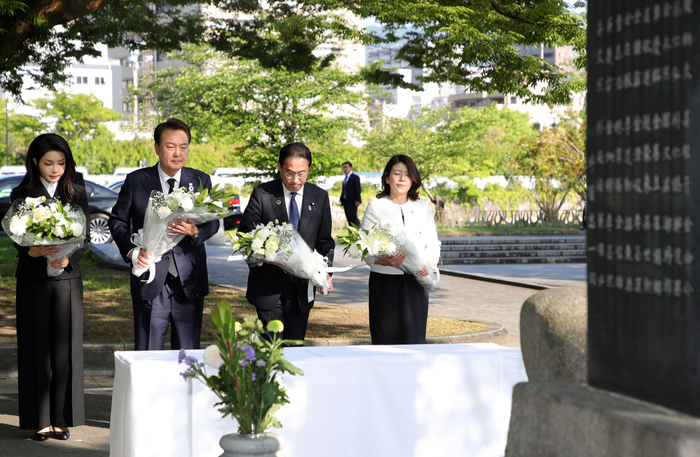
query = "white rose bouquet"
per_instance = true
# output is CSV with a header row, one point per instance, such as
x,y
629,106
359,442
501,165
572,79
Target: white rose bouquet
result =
x,y
381,240
41,221
282,245
202,206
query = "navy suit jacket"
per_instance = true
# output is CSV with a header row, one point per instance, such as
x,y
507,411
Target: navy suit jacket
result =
x,y
190,255
353,191
267,282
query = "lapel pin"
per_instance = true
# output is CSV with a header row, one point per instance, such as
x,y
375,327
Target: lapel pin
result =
x,y
279,202
191,187
312,207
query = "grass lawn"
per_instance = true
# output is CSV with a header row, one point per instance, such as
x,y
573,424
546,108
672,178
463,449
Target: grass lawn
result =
x,y
109,317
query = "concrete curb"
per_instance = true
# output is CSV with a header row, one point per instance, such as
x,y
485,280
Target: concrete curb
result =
x,y
98,359
495,280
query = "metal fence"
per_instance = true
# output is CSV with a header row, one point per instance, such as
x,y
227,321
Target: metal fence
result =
x,y
477,218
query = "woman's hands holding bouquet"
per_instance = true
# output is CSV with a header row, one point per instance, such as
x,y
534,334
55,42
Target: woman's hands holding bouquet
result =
x,y
396,260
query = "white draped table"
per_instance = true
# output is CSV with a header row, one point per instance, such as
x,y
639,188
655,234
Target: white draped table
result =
x,y
353,401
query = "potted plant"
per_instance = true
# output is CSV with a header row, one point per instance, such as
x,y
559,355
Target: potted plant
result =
x,y
248,358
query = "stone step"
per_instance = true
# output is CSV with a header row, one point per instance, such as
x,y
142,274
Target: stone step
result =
x,y
506,240
511,260
513,247
509,254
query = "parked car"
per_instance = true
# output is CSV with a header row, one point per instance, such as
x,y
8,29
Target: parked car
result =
x,y
100,202
116,186
233,220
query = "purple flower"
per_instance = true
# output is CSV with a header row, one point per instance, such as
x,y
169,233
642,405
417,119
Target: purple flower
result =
x,y
244,363
189,360
181,356
261,363
253,376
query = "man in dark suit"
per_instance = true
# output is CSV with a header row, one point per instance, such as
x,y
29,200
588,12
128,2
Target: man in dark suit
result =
x,y
176,294
351,197
274,293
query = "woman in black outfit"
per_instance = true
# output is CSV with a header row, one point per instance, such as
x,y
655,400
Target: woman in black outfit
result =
x,y
50,309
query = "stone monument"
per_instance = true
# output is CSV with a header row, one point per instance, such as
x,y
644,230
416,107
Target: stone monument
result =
x,y
643,151
643,199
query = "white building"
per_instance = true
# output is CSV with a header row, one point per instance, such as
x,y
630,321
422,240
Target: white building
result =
x,y
99,76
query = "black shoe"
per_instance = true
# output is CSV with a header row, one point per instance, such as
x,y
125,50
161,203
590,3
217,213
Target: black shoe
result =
x,y
41,436
61,435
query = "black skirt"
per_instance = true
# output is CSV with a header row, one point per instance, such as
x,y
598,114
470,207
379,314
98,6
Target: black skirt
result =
x,y
398,309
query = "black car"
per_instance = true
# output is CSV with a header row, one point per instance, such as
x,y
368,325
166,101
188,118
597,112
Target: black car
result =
x,y
100,202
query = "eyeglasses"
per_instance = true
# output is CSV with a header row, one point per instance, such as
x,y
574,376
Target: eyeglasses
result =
x,y
300,175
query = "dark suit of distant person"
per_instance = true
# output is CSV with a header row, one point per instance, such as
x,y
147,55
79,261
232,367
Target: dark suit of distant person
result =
x,y
273,293
351,195
167,299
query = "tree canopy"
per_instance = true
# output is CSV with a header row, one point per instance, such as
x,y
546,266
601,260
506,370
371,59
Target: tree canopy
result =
x,y
40,38
471,44
231,101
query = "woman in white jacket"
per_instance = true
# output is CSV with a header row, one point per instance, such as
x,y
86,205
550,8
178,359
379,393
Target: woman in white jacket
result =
x,y
398,304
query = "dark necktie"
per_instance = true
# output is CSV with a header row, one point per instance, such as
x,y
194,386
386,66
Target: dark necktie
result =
x,y
294,212
172,268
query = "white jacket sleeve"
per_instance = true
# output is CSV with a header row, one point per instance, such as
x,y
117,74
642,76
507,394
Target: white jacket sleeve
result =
x,y
368,221
432,243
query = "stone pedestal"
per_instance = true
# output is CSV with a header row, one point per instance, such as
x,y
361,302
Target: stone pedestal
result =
x,y
570,419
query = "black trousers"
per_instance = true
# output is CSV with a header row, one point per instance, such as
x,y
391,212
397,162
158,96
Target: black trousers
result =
x,y
171,306
50,353
351,213
286,310
398,309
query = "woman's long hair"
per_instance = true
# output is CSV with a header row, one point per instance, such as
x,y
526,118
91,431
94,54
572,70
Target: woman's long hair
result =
x,y
412,173
40,146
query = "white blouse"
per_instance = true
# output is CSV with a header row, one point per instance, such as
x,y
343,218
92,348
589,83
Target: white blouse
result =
x,y
418,223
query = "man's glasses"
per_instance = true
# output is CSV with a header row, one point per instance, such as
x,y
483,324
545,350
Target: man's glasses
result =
x,y
300,175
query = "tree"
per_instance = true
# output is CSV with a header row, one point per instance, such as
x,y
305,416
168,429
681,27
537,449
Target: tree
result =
x,y
40,38
22,130
236,101
74,116
471,44
448,143
556,162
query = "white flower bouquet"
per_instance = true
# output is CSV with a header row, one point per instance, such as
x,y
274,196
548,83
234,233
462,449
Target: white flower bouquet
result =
x,y
378,241
41,221
282,245
202,206
381,240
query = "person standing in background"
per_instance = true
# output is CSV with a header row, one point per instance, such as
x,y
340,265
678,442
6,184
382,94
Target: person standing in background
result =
x,y
351,197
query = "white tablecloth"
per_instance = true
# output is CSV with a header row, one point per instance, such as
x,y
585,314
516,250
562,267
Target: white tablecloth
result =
x,y
433,400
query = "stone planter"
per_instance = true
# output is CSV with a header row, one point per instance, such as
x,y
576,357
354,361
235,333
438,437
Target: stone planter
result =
x,y
260,445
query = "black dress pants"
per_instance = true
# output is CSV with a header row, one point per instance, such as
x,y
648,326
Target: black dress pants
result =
x,y
50,353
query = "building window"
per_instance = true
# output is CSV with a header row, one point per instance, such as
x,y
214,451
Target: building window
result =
x,y
513,100
81,80
100,81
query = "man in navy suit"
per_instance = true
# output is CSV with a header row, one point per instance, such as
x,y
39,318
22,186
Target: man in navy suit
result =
x,y
176,294
274,293
351,196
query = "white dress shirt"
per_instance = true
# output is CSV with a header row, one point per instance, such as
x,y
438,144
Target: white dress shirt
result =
x,y
49,186
299,197
164,180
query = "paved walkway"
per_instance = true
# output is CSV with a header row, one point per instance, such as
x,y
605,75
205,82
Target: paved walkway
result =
x,y
496,296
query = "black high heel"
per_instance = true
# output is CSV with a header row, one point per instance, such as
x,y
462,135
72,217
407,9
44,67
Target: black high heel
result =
x,y
61,435
41,436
